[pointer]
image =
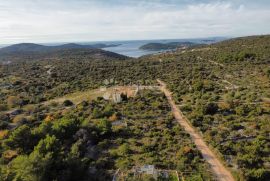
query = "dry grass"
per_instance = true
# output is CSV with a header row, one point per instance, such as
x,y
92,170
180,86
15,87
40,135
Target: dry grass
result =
x,y
49,118
78,97
3,134
19,118
9,154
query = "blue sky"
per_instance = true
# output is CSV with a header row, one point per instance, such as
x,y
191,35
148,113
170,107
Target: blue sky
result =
x,y
99,20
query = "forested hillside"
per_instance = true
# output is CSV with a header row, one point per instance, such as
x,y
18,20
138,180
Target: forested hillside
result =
x,y
166,46
36,48
223,89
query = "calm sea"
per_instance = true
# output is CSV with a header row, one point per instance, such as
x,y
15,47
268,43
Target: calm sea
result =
x,y
131,48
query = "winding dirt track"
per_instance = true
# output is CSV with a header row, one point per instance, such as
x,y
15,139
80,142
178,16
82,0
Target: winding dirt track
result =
x,y
221,172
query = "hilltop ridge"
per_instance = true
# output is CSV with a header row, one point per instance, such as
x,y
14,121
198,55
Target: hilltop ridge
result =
x,y
166,46
34,48
35,52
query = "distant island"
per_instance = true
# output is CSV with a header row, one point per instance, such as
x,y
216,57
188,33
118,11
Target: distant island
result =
x,y
36,48
166,46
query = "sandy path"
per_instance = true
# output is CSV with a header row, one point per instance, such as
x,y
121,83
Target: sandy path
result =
x,y
217,167
216,63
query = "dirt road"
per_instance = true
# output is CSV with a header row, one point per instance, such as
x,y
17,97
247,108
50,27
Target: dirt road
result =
x,y
221,172
216,63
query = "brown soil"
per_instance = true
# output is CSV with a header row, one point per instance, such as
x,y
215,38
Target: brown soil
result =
x,y
221,172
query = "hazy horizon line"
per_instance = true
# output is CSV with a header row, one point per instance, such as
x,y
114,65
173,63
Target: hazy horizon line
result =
x,y
123,40
127,40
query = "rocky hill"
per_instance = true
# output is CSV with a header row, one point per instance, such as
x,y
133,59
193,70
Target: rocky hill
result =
x,y
33,52
166,46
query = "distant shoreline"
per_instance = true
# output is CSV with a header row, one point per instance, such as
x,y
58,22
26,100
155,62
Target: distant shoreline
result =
x,y
131,48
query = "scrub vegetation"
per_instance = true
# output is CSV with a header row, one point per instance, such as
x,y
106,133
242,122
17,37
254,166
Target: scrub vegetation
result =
x,y
223,89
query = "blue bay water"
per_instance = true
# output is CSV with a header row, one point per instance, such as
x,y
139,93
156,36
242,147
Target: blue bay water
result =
x,y
131,48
